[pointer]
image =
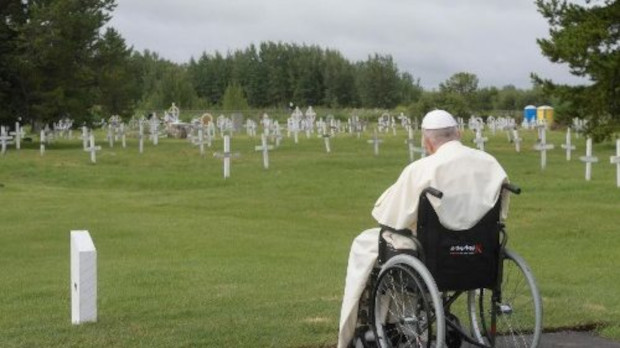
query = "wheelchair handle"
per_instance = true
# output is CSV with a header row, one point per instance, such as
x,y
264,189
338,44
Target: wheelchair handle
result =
x,y
512,188
433,191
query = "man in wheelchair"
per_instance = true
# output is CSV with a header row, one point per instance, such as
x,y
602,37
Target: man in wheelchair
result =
x,y
471,182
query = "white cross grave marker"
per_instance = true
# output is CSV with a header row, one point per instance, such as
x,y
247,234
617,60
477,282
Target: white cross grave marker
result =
x,y
479,139
421,150
568,146
42,142
588,159
543,147
121,130
141,136
83,278
276,134
226,155
410,144
265,149
616,160
18,134
154,131
4,139
326,136
200,142
84,137
110,135
93,149
517,140
375,141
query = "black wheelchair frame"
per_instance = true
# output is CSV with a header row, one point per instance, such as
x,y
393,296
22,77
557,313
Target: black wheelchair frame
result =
x,y
460,277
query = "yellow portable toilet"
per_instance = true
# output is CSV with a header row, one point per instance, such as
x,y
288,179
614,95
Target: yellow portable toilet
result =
x,y
545,113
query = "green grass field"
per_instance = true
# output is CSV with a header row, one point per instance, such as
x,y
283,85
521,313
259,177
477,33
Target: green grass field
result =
x,y
186,258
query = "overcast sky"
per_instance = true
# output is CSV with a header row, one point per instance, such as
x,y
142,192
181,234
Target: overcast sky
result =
x,y
430,39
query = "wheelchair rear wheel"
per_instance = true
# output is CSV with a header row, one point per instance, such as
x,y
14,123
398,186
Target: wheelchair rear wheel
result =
x,y
407,309
518,314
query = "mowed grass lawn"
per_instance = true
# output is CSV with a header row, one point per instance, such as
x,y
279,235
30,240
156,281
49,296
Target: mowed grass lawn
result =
x,y
186,258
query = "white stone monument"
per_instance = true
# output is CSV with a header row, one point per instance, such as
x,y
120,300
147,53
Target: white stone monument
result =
x,y
83,278
588,159
616,160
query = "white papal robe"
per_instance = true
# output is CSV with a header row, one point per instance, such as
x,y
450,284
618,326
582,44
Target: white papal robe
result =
x,y
471,183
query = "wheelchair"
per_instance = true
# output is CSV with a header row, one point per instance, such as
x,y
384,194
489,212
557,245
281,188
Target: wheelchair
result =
x,y
409,298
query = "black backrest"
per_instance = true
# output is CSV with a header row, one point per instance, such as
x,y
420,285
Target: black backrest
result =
x,y
460,260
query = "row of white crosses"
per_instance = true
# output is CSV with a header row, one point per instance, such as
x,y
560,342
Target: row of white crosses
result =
x,y
224,125
63,127
356,126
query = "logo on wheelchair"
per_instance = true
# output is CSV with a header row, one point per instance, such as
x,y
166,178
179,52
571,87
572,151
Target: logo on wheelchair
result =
x,y
466,249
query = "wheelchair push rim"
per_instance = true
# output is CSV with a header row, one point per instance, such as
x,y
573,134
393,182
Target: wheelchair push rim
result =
x,y
516,320
407,310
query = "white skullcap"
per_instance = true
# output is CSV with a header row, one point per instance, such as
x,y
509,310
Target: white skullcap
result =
x,y
438,119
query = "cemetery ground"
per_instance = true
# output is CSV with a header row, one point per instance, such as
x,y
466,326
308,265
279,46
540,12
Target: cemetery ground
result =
x,y
187,258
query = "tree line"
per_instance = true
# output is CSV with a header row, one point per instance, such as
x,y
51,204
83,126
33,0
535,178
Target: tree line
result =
x,y
58,59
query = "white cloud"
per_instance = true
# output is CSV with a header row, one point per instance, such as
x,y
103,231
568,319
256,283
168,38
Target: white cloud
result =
x,y
495,39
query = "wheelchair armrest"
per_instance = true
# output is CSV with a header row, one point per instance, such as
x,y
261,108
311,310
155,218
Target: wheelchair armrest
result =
x,y
432,191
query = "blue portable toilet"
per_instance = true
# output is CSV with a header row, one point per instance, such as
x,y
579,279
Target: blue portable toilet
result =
x,y
529,113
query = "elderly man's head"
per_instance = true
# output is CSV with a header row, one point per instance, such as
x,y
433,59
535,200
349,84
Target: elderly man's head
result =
x,y
439,127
